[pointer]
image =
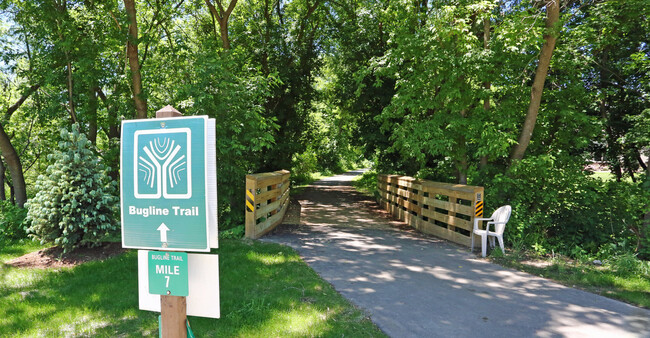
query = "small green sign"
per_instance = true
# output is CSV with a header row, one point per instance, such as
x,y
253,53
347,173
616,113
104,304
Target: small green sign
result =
x,y
168,273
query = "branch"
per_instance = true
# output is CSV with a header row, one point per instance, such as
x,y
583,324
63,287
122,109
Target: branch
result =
x,y
20,101
310,11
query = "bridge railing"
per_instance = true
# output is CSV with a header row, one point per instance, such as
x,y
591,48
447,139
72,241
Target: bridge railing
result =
x,y
267,200
440,209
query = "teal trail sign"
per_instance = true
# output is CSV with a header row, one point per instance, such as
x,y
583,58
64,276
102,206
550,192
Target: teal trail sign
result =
x,y
163,186
168,273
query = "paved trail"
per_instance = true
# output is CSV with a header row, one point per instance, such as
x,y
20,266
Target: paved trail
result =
x,y
413,285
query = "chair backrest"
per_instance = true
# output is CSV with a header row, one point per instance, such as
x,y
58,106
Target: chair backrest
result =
x,y
501,215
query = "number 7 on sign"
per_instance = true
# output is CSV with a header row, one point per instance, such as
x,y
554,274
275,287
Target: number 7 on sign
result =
x,y
167,283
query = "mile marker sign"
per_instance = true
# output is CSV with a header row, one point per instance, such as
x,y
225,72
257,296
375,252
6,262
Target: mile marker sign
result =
x,y
164,183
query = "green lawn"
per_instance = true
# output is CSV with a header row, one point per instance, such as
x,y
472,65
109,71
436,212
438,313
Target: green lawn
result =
x,y
266,290
610,280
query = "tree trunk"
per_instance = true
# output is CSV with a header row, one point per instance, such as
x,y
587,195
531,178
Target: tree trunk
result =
x,y
92,115
640,160
222,15
462,162
487,84
20,101
643,232
18,189
113,121
550,37
73,114
612,150
134,63
15,168
3,193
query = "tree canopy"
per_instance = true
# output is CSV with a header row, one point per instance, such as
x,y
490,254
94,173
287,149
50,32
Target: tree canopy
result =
x,y
505,94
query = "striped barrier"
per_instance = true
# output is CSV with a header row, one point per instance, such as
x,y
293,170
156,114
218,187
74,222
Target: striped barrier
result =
x,y
267,200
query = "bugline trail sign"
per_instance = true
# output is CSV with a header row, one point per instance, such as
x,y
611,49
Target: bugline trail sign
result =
x,y
168,200
164,187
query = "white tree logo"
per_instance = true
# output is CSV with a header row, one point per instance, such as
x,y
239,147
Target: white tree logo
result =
x,y
163,162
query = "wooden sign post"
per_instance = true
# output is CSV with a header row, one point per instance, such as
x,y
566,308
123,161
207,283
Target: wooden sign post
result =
x,y
173,309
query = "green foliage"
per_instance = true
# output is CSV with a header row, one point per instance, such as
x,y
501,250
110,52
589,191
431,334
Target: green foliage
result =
x,y
558,207
12,221
75,205
235,97
233,233
627,264
367,183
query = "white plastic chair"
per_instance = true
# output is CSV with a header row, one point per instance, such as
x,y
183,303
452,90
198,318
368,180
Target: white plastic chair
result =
x,y
499,218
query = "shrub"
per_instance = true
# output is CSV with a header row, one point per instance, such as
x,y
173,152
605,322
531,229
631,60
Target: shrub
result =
x,y
560,207
12,221
74,205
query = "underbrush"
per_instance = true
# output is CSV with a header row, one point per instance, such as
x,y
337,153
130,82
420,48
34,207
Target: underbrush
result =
x,y
12,221
367,184
560,208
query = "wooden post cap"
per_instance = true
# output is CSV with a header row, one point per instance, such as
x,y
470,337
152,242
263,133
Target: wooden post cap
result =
x,y
168,111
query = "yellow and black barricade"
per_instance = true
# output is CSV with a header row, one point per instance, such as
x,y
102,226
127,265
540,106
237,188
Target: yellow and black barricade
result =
x,y
478,209
250,201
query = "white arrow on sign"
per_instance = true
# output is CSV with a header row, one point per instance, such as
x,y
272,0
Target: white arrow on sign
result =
x,y
163,232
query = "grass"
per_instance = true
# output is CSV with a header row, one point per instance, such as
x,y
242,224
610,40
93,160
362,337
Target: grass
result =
x,y
266,290
608,176
299,184
12,249
603,175
367,184
620,278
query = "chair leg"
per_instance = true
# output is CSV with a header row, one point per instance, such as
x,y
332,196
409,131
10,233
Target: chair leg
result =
x,y
472,235
484,244
500,238
492,244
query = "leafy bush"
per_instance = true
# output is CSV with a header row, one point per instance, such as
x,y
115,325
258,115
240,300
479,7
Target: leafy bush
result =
x,y
304,165
233,233
561,208
367,183
74,205
628,264
12,221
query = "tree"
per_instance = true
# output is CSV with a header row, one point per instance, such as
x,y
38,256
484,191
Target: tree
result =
x,y
550,38
75,205
134,62
222,15
11,156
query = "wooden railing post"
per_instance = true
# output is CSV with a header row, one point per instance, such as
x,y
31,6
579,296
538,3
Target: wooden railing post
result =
x,y
251,206
267,200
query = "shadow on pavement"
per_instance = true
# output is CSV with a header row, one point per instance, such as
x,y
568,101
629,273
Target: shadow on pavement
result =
x,y
414,285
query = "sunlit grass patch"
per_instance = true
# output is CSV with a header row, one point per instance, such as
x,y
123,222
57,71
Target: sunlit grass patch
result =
x,y
266,291
367,183
607,280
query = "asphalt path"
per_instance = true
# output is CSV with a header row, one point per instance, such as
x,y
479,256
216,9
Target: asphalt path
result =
x,y
414,285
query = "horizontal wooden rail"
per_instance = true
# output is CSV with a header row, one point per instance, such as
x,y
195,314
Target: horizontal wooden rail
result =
x,y
440,209
267,199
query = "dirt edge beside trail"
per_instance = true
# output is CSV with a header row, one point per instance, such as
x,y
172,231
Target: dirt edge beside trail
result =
x,y
53,257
